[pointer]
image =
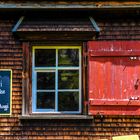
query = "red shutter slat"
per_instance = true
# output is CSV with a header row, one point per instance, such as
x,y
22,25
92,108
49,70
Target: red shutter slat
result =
x,y
114,77
114,102
114,48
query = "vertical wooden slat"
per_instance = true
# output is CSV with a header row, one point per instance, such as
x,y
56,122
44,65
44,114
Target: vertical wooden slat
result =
x,y
84,78
25,79
108,78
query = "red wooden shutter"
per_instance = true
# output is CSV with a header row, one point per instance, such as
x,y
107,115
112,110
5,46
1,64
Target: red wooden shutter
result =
x,y
114,77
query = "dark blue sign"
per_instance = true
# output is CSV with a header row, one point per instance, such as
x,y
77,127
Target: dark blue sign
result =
x,y
5,92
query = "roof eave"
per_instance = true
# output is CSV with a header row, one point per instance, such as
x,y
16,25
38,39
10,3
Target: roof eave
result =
x,y
66,7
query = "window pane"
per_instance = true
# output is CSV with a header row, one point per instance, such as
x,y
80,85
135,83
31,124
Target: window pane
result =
x,y
45,57
45,80
45,100
68,57
68,101
68,79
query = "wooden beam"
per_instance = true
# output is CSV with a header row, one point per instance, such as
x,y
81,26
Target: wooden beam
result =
x,y
26,87
56,117
69,5
18,24
94,24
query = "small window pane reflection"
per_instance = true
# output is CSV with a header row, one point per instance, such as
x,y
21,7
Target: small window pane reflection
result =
x,y
45,100
68,101
68,79
45,80
68,57
45,58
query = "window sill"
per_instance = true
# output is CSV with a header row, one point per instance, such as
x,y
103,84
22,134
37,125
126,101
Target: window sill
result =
x,y
56,117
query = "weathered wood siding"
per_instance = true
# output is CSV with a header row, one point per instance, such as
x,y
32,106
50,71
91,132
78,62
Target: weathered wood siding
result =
x,y
117,28
12,128
11,58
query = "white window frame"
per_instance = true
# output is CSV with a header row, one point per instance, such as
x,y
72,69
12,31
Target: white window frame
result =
x,y
54,69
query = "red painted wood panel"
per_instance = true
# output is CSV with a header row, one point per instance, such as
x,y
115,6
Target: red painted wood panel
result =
x,y
114,77
114,48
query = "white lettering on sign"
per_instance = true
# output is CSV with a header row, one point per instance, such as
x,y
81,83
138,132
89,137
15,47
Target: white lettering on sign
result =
x,y
2,91
5,107
0,83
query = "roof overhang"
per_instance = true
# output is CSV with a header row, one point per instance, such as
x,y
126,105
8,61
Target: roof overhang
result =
x,y
56,28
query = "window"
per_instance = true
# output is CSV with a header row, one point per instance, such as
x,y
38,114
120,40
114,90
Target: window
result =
x,y
56,79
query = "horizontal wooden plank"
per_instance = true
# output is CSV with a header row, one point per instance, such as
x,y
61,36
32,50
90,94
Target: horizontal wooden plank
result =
x,y
114,110
68,5
51,117
118,48
56,35
115,102
115,53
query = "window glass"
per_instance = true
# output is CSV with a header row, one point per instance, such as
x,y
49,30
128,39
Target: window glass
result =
x,y
68,79
68,57
45,80
45,57
45,100
68,101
